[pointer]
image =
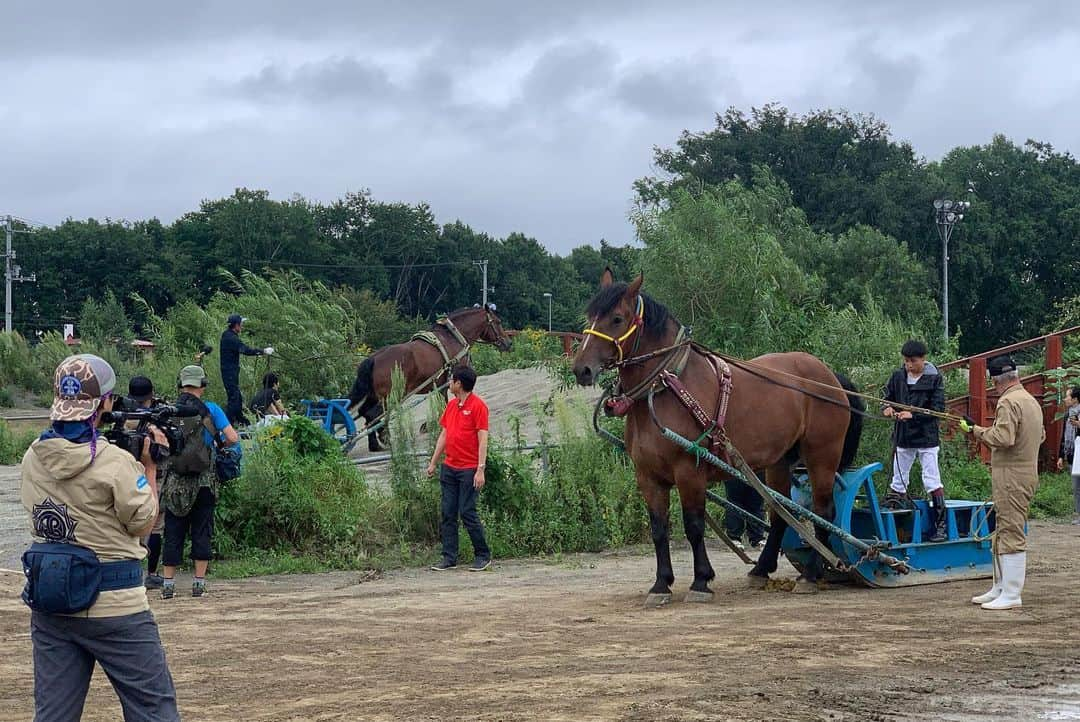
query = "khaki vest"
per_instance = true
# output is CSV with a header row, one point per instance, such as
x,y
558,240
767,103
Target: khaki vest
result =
x,y
100,505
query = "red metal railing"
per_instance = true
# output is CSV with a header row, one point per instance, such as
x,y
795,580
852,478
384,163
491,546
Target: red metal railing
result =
x,y
980,400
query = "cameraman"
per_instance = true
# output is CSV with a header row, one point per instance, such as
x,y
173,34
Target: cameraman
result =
x,y
89,502
141,396
189,493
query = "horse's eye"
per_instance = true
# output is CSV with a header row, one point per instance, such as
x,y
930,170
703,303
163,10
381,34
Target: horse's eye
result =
x,y
617,320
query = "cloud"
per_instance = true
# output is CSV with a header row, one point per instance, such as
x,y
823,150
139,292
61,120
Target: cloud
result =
x,y
568,70
510,116
676,89
330,80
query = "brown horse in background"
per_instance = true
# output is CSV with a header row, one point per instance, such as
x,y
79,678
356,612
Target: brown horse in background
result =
x,y
420,361
772,427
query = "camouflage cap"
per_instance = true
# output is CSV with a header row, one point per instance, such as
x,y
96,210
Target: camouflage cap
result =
x,y
192,376
79,385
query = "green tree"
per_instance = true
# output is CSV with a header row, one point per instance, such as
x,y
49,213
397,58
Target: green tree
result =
x,y
104,321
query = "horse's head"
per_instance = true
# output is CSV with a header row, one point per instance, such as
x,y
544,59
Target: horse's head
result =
x,y
493,330
483,325
615,318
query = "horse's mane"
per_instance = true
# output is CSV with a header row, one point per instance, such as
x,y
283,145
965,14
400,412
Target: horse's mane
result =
x,y
656,314
463,309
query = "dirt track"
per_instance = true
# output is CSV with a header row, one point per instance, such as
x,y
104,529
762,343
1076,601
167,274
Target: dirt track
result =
x,y
569,640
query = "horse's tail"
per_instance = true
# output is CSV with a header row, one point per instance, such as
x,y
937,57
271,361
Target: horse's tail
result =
x,y
364,384
854,429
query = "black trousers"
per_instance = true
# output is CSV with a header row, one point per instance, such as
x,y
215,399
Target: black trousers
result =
x,y
743,496
199,522
234,406
459,500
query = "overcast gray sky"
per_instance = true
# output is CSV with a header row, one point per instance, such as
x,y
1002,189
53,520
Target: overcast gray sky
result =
x,y
535,117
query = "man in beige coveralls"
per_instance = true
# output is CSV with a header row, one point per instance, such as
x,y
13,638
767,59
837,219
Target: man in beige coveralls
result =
x,y
1014,442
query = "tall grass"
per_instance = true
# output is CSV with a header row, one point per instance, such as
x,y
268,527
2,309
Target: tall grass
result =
x,y
14,442
299,504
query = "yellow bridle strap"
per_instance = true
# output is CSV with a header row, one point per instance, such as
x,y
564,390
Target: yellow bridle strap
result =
x,y
638,322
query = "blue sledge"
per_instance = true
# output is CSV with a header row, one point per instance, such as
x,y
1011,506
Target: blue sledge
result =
x,y
901,534
334,418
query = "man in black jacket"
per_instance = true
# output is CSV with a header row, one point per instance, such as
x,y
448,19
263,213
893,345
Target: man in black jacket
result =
x,y
917,383
231,348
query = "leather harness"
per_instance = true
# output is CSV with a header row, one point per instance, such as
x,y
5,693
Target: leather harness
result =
x,y
430,337
666,375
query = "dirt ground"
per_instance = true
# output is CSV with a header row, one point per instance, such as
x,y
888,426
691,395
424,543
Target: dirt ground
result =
x,y
569,639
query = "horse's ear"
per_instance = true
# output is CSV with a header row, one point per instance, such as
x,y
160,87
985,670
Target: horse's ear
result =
x,y
635,286
607,277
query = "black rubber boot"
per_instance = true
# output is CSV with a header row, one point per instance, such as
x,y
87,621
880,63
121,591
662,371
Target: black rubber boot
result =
x,y
896,500
941,517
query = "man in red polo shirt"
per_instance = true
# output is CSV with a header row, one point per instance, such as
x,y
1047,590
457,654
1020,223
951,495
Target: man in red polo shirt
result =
x,y
464,438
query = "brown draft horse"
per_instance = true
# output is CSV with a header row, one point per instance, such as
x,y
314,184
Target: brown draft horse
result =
x,y
419,361
772,426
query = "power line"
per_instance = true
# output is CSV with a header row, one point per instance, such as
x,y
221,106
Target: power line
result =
x,y
27,221
441,264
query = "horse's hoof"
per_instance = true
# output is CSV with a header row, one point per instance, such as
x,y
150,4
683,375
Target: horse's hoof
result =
x,y
699,597
803,586
756,582
654,600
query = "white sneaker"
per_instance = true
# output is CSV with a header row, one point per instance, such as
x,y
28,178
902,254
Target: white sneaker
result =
x,y
738,545
1013,571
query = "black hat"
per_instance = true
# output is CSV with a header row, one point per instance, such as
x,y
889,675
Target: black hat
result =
x,y
140,388
235,319
1000,365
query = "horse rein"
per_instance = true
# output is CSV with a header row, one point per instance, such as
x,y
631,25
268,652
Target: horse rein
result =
x,y
753,369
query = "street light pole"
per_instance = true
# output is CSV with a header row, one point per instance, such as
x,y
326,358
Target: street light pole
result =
x,y
948,213
548,296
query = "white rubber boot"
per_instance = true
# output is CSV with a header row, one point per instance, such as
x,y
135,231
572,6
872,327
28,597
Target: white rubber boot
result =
x,y
1013,570
995,591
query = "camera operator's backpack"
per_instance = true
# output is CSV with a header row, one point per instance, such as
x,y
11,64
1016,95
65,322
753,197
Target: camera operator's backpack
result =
x,y
195,457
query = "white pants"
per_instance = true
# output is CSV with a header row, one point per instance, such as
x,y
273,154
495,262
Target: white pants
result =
x,y
905,459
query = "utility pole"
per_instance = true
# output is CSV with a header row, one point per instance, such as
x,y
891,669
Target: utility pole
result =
x,y
483,267
12,273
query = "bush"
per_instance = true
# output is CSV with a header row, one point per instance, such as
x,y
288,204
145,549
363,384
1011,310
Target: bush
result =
x,y
13,444
18,366
1054,497
584,499
298,495
532,347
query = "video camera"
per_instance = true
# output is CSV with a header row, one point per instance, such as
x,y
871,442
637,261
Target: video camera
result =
x,y
160,415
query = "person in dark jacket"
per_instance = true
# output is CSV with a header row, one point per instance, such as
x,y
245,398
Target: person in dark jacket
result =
x,y
231,348
917,383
